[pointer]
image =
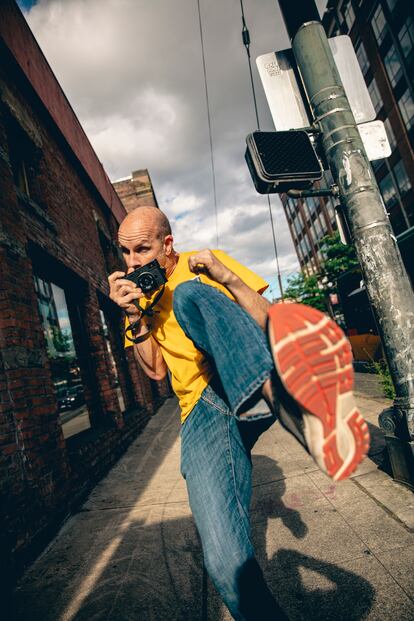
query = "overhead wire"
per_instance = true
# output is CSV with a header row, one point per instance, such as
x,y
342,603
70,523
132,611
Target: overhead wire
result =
x,y
246,43
209,122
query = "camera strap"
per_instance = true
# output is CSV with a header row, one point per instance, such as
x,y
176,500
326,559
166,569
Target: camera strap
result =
x,y
145,312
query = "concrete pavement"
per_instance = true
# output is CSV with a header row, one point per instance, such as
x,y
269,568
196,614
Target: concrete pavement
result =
x,y
328,551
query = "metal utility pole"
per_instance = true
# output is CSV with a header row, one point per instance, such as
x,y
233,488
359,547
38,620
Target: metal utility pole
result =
x,y
388,287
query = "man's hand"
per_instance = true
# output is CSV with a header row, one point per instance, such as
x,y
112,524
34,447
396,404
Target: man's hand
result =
x,y
123,292
205,262
257,306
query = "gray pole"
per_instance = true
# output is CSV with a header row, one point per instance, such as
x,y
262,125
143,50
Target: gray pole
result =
x,y
388,287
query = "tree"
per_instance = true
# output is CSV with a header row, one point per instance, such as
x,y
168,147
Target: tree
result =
x,y
305,289
313,290
340,258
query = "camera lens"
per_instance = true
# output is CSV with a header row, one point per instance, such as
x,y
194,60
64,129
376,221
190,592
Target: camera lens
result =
x,y
146,282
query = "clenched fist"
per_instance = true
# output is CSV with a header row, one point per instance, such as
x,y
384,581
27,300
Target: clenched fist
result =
x,y
205,262
123,292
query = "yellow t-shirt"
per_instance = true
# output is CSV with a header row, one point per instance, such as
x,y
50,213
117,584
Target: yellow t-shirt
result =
x,y
190,371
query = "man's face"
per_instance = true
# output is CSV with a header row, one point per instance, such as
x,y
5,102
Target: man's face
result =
x,y
140,243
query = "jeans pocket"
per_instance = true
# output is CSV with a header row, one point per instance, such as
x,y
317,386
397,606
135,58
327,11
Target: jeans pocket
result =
x,y
210,397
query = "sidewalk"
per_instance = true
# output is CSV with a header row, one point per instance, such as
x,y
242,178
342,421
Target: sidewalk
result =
x,y
343,552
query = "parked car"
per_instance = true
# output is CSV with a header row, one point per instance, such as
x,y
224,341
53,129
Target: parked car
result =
x,y
73,398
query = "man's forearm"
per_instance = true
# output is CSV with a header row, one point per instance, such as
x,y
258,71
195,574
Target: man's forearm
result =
x,y
252,302
149,357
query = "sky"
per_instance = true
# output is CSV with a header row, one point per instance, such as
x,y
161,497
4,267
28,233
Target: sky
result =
x,y
133,73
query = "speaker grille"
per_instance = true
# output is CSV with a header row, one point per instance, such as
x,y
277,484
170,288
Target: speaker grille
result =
x,y
286,154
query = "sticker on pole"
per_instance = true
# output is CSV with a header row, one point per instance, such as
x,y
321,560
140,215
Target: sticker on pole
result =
x,y
375,140
285,94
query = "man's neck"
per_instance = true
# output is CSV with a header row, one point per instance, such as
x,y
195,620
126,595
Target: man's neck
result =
x,y
171,263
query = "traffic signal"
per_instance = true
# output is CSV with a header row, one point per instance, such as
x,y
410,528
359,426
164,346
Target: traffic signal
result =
x,y
281,161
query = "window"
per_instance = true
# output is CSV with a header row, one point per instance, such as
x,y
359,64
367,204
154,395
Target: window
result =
x,y
377,164
406,106
391,4
317,228
287,210
312,205
390,134
331,210
393,65
62,355
379,25
406,37
298,224
375,95
305,211
362,58
388,191
21,155
305,246
112,361
403,181
290,203
349,15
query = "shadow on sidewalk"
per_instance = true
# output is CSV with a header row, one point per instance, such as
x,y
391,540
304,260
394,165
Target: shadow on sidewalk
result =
x,y
340,594
378,450
154,572
343,596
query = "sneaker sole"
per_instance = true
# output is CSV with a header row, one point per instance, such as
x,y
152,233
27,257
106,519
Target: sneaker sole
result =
x,y
314,361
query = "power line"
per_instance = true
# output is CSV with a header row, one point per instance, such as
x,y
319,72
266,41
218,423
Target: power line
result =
x,y
209,122
246,43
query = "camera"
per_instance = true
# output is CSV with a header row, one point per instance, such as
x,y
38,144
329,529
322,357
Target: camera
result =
x,y
149,277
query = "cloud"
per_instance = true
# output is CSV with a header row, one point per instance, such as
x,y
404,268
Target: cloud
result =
x,y
133,72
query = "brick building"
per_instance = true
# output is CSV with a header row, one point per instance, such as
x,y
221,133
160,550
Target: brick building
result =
x,y
136,190
71,398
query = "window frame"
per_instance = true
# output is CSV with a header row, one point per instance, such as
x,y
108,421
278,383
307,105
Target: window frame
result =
x,y
379,33
361,52
40,280
375,89
408,120
409,32
406,186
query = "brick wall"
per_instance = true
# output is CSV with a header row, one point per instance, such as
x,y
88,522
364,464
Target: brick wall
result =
x,y
65,233
136,190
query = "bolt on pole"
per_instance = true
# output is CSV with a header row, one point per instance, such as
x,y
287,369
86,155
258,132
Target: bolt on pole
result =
x,y
388,286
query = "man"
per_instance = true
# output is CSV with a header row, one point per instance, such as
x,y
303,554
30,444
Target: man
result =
x,y
209,331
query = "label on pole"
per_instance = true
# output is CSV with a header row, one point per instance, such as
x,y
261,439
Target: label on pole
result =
x,y
375,140
286,100
277,72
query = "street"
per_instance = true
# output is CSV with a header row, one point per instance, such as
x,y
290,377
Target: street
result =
x,y
329,551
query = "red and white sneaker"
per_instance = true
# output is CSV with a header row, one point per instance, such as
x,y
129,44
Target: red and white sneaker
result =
x,y
313,361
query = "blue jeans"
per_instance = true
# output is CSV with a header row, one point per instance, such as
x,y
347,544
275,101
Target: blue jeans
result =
x,y
215,445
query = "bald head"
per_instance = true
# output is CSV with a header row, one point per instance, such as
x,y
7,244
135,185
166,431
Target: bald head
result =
x,y
147,216
145,235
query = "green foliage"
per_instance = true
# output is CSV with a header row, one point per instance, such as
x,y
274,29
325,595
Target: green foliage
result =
x,y
61,341
382,370
307,289
340,258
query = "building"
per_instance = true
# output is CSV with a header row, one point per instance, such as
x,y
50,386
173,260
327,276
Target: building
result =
x,y
382,32
309,221
71,397
136,190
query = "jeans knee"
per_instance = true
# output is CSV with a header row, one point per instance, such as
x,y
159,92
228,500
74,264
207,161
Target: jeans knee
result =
x,y
183,295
